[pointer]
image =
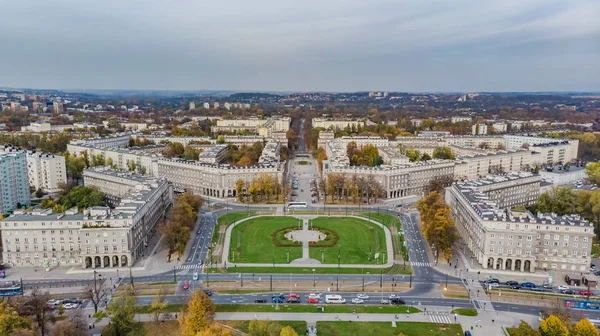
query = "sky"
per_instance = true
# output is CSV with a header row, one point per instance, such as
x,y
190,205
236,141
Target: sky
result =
x,y
308,45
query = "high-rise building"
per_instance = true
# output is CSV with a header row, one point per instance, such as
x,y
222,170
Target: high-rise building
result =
x,y
192,106
216,105
206,105
57,107
15,106
46,171
14,184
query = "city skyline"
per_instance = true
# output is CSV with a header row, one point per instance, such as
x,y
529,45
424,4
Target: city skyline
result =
x,y
335,46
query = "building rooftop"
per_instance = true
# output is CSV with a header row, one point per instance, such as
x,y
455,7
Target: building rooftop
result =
x,y
213,151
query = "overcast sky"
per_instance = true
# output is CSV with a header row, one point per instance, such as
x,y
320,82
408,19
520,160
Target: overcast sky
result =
x,y
302,45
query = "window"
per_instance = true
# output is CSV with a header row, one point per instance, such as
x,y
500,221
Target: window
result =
x,y
566,237
492,235
529,238
500,250
556,237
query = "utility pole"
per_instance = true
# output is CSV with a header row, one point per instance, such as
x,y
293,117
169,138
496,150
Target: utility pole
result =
x,y
271,282
241,279
380,279
410,283
339,256
337,282
174,274
131,278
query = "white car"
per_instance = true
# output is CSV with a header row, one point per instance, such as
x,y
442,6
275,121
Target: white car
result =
x,y
493,284
70,305
362,296
562,287
314,295
393,296
384,301
357,301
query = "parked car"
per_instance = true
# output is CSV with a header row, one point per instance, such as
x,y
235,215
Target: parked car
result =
x,y
277,299
76,301
537,289
70,305
208,292
568,291
362,296
260,300
547,286
294,296
493,284
528,285
393,296
384,301
562,287
586,292
314,295
186,285
492,280
468,333
511,283
313,300
357,301
516,287
195,276
293,300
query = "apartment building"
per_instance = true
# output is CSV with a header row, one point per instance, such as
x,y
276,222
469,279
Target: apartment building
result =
x,y
274,124
213,154
480,165
119,140
115,184
508,239
500,127
14,181
121,158
46,171
334,124
455,120
164,139
96,237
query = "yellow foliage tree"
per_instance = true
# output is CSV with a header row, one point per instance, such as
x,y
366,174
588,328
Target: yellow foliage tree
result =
x,y
215,330
200,313
288,331
584,328
553,326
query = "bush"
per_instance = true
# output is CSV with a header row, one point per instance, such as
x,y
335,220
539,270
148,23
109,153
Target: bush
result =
x,y
279,239
330,240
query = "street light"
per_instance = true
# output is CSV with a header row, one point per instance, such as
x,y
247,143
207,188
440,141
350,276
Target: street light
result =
x,y
287,251
339,256
314,279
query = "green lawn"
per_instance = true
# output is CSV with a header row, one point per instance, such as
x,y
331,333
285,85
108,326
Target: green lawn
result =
x,y
397,269
386,329
226,220
312,308
299,326
252,242
356,237
392,223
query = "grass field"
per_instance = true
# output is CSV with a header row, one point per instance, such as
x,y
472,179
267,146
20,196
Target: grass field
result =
x,y
465,311
299,326
226,220
396,269
386,329
357,238
252,242
307,308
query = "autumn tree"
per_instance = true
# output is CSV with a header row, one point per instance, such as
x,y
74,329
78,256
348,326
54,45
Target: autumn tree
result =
x,y
215,330
412,154
524,329
36,306
438,227
199,315
553,326
560,200
10,320
584,328
158,306
191,153
65,328
239,189
444,153
288,331
122,315
593,172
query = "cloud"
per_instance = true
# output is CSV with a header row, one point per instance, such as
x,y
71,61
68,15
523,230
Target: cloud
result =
x,y
332,45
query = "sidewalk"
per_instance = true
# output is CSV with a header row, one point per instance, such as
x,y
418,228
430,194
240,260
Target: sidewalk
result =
x,y
487,323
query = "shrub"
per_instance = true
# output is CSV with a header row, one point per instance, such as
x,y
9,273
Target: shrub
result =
x,y
330,241
279,239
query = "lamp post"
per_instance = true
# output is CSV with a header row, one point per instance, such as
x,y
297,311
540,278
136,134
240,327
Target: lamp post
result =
x,y
287,251
314,279
322,256
273,256
339,256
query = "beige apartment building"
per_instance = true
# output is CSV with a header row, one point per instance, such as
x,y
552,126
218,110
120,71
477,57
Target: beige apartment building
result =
x,y
334,124
46,171
274,124
507,239
97,237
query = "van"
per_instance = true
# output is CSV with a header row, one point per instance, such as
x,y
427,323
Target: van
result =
x,y
334,299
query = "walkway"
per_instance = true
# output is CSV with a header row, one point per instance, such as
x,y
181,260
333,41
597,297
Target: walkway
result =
x,y
299,262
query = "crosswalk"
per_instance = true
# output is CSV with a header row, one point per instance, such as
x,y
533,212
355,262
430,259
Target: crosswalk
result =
x,y
419,263
440,318
188,267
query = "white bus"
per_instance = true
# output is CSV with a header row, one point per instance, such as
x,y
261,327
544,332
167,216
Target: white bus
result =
x,y
295,205
334,299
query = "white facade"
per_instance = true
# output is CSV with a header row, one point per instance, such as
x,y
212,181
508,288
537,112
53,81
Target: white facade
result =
x,y
500,127
518,240
335,124
460,119
46,171
563,177
479,129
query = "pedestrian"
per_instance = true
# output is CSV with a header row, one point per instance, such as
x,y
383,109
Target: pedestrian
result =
x,y
90,325
357,317
93,325
455,317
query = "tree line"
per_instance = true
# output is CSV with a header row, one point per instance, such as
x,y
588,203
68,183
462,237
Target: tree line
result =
x,y
244,155
177,229
356,188
263,188
438,227
367,155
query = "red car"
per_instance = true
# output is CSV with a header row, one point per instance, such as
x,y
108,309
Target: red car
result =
x,y
313,300
186,285
584,292
294,296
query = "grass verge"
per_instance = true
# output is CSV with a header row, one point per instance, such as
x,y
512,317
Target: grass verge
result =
x,y
243,325
386,329
465,311
305,308
302,270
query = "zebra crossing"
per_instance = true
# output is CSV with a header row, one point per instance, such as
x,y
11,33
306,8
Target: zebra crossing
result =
x,y
188,267
419,263
440,318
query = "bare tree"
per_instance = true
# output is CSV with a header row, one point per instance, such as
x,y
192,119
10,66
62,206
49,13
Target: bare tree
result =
x,y
95,293
36,306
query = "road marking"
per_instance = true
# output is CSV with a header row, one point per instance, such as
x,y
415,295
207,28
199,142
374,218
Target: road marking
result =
x,y
439,318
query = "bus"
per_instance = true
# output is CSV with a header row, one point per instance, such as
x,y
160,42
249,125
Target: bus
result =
x,y
295,205
10,288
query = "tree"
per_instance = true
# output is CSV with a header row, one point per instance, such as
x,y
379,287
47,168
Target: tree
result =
x,y
560,200
593,172
258,328
239,188
122,315
288,331
220,139
524,329
36,306
553,326
412,154
215,330
244,161
82,197
199,315
39,193
584,328
444,153
425,157
191,153
61,309
65,328
131,165
158,306
10,321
